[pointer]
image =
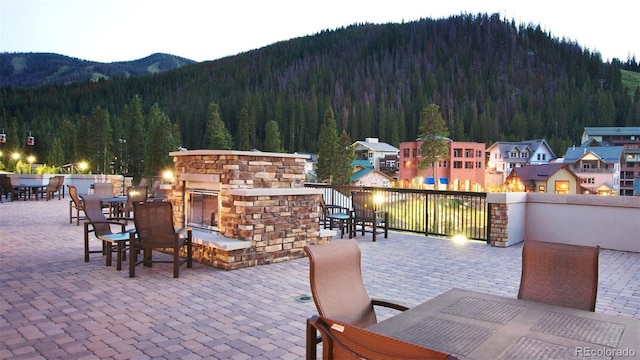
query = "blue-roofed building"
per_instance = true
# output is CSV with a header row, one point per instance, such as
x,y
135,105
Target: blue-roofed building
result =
x,y
597,166
627,137
364,174
376,152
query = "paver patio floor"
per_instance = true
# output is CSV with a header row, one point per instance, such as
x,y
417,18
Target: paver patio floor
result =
x,y
54,305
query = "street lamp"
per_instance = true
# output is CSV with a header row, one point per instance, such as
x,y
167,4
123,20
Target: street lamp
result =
x,y
31,159
82,166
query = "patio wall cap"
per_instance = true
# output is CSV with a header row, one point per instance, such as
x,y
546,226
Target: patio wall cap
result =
x,y
506,198
275,191
567,199
204,152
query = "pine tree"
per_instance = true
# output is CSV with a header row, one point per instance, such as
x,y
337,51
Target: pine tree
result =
x,y
343,166
327,145
244,130
55,155
217,134
99,140
135,139
159,142
433,134
272,137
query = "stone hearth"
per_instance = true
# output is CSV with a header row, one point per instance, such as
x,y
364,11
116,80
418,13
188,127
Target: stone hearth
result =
x,y
266,215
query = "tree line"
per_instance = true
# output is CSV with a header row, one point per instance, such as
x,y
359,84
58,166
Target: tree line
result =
x,y
492,80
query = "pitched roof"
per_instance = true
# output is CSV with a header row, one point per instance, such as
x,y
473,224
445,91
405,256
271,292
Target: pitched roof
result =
x,y
609,154
366,164
537,172
376,146
612,130
506,147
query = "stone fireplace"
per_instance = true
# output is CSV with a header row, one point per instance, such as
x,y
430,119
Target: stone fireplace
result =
x,y
247,208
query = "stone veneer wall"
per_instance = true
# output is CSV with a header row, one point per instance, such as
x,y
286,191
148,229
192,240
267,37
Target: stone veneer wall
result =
x,y
499,218
263,201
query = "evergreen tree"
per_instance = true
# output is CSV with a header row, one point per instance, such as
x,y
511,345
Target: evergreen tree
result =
x,y
327,146
159,142
343,166
244,130
55,155
217,134
272,137
135,139
99,140
434,136
81,141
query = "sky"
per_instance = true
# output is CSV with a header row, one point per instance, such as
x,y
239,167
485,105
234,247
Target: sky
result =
x,y
201,30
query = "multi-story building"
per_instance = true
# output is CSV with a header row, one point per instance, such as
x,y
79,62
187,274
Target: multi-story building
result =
x,y
503,156
462,170
629,139
375,151
598,167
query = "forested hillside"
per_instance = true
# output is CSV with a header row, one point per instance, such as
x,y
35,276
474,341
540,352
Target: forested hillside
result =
x,y
493,80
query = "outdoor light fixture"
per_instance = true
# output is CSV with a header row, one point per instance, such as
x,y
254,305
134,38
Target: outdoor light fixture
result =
x,y
15,156
459,239
82,166
167,175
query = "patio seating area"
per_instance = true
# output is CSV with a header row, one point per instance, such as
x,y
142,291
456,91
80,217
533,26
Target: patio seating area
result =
x,y
55,305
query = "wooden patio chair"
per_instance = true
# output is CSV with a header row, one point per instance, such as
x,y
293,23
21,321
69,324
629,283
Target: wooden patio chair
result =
x,y
559,274
366,216
343,341
332,214
75,204
101,226
154,229
338,288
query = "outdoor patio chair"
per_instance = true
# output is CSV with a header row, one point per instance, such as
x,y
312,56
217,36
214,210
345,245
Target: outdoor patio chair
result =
x,y
16,192
154,229
103,190
51,188
153,190
60,189
366,216
101,227
134,194
343,341
338,288
332,214
559,274
75,204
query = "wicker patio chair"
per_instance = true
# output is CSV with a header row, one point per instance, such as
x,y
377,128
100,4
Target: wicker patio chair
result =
x,y
343,341
75,204
338,288
101,226
559,274
366,216
103,190
154,229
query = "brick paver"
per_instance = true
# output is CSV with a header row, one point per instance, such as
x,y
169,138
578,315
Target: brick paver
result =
x,y
54,305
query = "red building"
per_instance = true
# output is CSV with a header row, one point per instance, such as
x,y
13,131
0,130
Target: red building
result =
x,y
463,170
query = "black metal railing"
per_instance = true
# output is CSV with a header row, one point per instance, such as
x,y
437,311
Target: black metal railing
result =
x,y
430,212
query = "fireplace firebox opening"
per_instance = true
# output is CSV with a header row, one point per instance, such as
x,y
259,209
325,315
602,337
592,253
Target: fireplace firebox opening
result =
x,y
203,210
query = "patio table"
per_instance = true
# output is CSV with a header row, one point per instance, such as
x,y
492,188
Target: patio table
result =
x,y
115,204
29,190
474,325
